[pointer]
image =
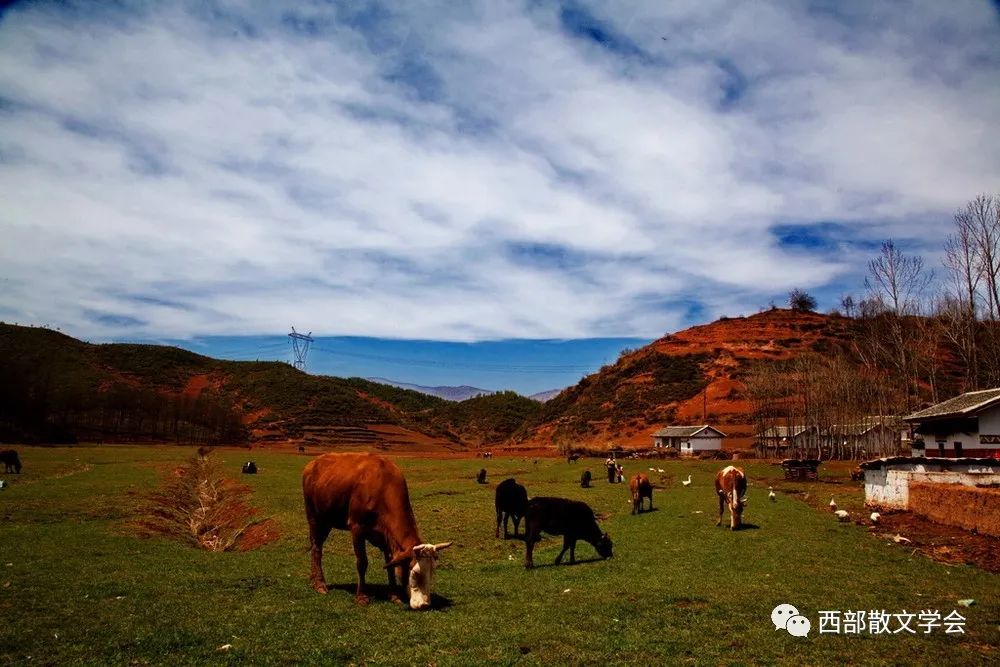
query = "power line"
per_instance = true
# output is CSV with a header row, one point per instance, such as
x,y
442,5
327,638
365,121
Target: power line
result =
x,y
300,347
430,363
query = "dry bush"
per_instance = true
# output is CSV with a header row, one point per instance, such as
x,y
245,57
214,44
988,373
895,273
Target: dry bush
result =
x,y
199,506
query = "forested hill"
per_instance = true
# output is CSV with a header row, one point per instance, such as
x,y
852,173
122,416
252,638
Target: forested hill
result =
x,y
54,388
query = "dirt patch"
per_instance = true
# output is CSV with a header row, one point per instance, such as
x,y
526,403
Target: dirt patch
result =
x,y
945,544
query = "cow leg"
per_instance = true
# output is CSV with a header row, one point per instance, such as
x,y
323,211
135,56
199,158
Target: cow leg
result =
x,y
361,560
572,552
506,525
531,534
317,536
499,519
721,510
566,546
517,524
394,588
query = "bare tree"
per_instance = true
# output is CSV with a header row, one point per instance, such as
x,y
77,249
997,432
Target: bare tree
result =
x,y
982,219
897,279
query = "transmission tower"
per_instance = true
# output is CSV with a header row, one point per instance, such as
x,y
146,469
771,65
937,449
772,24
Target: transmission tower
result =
x,y
300,347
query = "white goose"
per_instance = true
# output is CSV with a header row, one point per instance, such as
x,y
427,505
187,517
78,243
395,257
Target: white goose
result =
x,y
770,495
687,482
833,505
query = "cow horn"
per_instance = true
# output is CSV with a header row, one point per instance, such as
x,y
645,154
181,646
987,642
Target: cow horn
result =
x,y
443,545
400,558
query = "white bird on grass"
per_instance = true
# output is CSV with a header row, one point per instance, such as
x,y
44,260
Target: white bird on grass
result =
x,y
687,482
842,515
833,504
652,470
899,539
770,495
875,517
660,470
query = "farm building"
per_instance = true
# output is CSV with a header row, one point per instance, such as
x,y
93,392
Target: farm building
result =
x,y
967,425
781,440
887,480
872,436
954,491
689,439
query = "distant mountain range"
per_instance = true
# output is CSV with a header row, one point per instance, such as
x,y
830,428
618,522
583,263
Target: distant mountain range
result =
x,y
544,396
460,393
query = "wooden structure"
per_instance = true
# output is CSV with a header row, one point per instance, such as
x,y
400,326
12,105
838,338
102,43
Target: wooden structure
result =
x,y
801,469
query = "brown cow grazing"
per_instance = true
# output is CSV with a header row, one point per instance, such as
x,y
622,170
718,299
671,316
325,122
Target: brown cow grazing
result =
x,y
641,488
366,494
11,461
572,519
511,502
731,487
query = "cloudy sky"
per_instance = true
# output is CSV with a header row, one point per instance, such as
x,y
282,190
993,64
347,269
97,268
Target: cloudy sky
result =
x,y
467,172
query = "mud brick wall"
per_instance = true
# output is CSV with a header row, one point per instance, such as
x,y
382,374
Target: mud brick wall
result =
x,y
957,505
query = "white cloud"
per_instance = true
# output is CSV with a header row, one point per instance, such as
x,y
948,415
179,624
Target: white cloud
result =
x,y
484,172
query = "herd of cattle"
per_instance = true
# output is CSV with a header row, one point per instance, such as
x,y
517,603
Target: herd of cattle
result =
x,y
366,494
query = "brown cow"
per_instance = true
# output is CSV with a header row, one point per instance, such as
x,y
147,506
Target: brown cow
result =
x,y
731,487
367,495
641,488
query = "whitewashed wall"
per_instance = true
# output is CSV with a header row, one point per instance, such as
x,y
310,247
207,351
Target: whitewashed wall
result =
x,y
889,489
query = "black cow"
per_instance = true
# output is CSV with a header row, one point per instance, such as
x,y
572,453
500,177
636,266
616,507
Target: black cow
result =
x,y
481,477
572,519
572,458
11,461
511,503
249,468
585,479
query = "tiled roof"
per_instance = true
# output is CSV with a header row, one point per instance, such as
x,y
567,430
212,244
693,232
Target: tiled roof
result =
x,y
685,431
966,404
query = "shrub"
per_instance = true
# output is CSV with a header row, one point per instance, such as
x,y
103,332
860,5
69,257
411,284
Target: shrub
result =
x,y
801,300
199,506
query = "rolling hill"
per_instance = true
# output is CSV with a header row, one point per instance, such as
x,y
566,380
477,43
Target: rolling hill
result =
x,y
54,388
689,377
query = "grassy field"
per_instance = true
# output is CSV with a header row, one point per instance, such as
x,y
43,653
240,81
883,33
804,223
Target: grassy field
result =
x,y
78,586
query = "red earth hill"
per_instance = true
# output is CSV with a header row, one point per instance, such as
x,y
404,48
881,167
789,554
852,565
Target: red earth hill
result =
x,y
689,377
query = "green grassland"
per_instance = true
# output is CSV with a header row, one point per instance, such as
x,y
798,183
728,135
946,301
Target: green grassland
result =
x,y
78,586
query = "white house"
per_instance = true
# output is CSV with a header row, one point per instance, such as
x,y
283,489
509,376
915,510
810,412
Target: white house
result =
x,y
887,481
967,425
689,440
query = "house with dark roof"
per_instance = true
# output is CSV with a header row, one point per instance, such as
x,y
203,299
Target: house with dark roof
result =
x,y
872,436
967,425
778,441
689,440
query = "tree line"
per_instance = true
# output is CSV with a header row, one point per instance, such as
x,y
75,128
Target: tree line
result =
x,y
916,337
41,406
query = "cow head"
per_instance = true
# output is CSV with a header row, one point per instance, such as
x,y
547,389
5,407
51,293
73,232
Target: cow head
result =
x,y
736,505
423,561
603,546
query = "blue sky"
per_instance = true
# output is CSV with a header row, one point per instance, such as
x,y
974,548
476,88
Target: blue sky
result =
x,y
478,172
525,366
